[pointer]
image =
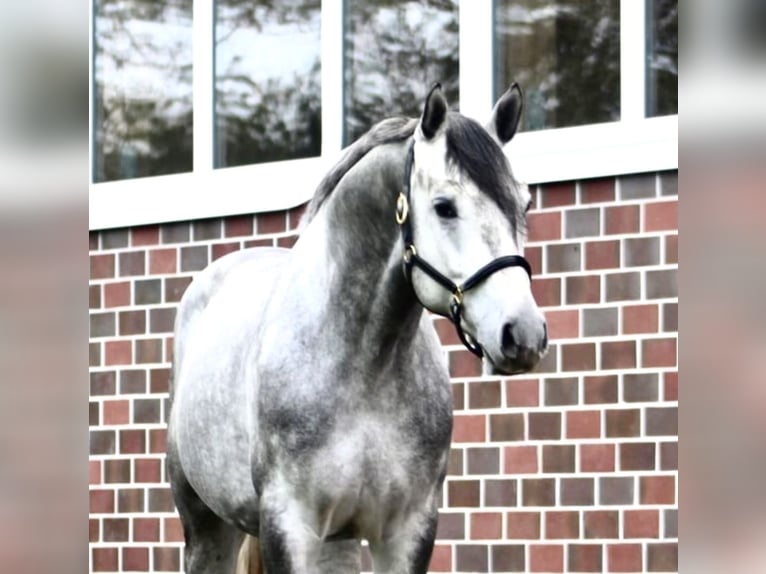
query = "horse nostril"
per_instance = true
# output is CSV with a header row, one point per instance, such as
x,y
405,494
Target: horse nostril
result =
x,y
507,341
544,344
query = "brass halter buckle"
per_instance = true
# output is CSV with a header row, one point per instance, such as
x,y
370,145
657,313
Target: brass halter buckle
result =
x,y
408,254
402,209
457,296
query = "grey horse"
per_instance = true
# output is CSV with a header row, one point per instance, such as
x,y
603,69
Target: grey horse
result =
x,y
311,403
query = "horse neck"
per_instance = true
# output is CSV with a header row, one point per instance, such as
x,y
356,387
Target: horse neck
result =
x,y
367,294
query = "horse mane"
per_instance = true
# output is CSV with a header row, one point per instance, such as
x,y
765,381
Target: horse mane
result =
x,y
387,131
469,147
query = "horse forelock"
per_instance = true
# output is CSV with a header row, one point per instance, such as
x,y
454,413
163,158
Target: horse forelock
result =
x,y
387,131
473,151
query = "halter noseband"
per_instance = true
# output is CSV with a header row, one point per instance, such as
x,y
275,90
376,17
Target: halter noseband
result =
x,y
410,259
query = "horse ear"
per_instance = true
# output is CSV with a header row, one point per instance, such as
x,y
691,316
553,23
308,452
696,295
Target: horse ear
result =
x,y
506,115
434,112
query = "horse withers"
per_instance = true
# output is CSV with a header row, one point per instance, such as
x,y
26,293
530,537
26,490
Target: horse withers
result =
x,y
311,402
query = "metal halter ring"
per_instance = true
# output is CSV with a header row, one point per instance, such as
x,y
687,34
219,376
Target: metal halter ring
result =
x,y
402,209
457,296
409,253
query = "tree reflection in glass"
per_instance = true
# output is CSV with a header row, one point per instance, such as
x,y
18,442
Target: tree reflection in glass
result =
x,y
394,51
662,48
565,55
142,88
268,88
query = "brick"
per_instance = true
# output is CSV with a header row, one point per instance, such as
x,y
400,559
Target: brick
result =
x,y
582,222
451,526
640,387
132,322
622,219
446,331
117,471
547,291
600,389
146,411
535,257
561,258
662,421
463,363
669,456
147,470
561,391
485,395
583,424
238,226
520,460
161,500
463,493
101,501
549,363
102,383
578,357
175,287
662,284
670,317
538,492
668,183
94,414
146,530
296,214
506,427
104,559
638,186
562,524
472,558
458,396
135,559
173,530
640,319
670,387
149,351
544,426
601,524
501,492
101,442
616,490
158,441
101,266
602,254
486,526
557,194
662,557
597,457
642,524
671,249
162,320
469,428
623,286
597,190
584,558
94,297
262,242
117,294
159,380
287,242
671,523
508,557
623,423
483,460
132,381
163,261
93,240
558,458
194,258
144,235
523,525
624,558
659,352
132,263
618,355
577,491
116,412
166,559
441,559
600,321
661,216
116,529
583,289
93,530
544,226
455,462
102,325
221,249
274,222
637,456
207,229
130,500
132,441
546,558
563,324
641,251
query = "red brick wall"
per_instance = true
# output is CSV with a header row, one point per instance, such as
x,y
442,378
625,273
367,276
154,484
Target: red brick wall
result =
x,y
570,469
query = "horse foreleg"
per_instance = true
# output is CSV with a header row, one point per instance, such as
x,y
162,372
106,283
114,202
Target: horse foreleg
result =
x,y
410,549
341,557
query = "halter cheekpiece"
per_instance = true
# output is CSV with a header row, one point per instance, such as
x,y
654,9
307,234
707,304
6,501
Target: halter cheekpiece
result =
x,y
410,259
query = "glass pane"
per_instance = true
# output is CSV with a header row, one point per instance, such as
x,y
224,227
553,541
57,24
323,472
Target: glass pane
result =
x,y
662,68
564,55
142,88
394,51
268,89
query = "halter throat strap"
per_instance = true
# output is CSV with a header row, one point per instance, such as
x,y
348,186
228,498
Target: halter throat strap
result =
x,y
410,259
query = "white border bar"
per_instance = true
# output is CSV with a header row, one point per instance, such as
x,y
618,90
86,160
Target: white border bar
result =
x,y
632,59
203,84
475,41
332,77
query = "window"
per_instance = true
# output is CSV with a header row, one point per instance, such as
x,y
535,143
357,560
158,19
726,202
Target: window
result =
x,y
203,109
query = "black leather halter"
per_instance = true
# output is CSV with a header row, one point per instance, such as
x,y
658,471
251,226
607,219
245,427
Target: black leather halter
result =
x,y
410,259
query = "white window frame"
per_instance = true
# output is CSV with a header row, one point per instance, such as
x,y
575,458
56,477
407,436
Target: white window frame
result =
x,y
632,145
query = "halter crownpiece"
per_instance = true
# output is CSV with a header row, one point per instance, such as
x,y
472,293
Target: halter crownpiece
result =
x,y
410,259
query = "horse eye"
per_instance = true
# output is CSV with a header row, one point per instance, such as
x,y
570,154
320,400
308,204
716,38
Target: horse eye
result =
x,y
445,208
